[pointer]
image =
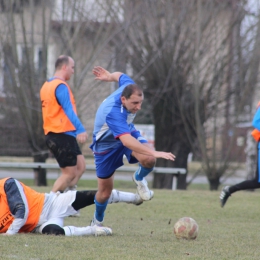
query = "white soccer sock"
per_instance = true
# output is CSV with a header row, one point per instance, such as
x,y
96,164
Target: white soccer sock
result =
x,y
121,196
78,231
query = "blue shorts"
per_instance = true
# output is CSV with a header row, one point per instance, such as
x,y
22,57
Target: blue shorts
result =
x,y
107,163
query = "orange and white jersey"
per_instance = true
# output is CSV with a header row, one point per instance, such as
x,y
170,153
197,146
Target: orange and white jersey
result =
x,y
20,207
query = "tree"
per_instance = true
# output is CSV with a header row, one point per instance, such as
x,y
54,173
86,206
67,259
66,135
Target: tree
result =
x,y
186,55
25,70
33,34
196,67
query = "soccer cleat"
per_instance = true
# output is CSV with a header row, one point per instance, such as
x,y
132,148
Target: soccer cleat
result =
x,y
102,231
142,189
137,201
152,193
77,214
95,222
224,195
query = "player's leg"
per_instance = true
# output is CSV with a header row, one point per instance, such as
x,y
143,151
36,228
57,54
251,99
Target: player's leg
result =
x,y
244,185
146,165
87,231
105,187
60,205
127,197
65,204
57,206
85,198
52,225
105,167
106,164
81,166
53,228
80,169
67,152
65,179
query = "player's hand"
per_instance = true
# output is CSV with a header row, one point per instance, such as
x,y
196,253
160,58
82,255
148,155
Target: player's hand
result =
x,y
164,155
101,74
82,137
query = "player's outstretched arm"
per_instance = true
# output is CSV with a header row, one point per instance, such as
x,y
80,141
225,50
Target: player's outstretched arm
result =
x,y
104,75
164,155
134,145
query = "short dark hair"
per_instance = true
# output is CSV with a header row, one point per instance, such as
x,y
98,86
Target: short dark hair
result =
x,y
63,59
131,89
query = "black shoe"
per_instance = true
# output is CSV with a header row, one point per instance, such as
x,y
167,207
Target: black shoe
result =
x,y
224,196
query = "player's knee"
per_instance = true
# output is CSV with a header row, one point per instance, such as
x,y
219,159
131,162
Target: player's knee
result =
x,y
53,229
70,177
104,195
148,162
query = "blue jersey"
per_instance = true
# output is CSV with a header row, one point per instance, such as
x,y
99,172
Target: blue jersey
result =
x,y
256,119
63,97
113,120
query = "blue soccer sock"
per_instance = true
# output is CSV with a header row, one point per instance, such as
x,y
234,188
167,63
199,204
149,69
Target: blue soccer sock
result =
x,y
142,172
100,210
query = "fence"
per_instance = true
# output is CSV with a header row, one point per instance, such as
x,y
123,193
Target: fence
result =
x,y
53,166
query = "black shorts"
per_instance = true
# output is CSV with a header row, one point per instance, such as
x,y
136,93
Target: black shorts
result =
x,y
64,148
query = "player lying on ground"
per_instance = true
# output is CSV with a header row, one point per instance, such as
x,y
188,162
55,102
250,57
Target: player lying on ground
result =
x,y
23,210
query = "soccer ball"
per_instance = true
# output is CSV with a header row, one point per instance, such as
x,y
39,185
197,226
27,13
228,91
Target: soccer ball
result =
x,y
186,228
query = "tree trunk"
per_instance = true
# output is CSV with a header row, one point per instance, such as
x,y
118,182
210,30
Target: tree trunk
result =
x,y
182,162
170,136
182,183
214,184
40,174
164,181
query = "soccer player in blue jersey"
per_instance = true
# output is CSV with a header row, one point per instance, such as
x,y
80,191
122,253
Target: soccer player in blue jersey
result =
x,y
247,184
115,136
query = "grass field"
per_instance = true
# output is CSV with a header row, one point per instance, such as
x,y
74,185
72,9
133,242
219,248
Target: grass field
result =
x,y
146,231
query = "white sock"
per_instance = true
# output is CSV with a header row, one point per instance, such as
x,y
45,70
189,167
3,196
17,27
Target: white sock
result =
x,y
121,196
78,231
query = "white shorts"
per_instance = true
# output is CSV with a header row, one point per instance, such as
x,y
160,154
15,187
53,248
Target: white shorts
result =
x,y
56,207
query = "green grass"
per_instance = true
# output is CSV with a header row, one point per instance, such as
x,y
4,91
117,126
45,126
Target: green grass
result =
x,y
146,231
